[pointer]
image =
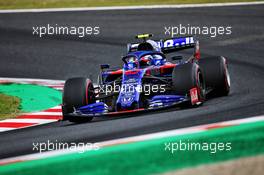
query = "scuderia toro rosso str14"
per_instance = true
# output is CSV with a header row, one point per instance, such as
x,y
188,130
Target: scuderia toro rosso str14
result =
x,y
148,81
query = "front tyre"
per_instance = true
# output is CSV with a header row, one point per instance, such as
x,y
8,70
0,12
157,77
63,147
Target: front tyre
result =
x,y
77,92
187,76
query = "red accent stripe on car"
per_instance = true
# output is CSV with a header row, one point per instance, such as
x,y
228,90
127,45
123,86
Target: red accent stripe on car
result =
x,y
120,71
131,72
167,66
125,112
194,95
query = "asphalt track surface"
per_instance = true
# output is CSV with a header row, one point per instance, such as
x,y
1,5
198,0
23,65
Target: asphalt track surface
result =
x,y
61,57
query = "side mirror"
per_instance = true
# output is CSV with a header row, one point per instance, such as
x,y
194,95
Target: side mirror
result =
x,y
124,59
105,66
177,57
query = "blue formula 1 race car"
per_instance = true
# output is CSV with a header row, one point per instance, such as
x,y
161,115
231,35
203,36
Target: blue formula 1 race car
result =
x,y
147,81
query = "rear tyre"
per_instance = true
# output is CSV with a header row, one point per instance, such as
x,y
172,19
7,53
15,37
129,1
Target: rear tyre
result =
x,y
216,75
77,92
188,76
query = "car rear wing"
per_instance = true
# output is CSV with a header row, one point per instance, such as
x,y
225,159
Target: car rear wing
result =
x,y
176,44
181,43
167,45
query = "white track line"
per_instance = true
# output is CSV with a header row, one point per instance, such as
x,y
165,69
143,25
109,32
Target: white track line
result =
x,y
44,113
163,134
2,129
60,89
56,107
32,80
131,7
38,121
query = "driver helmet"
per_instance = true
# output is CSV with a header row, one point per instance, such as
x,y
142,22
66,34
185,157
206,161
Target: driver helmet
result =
x,y
158,60
146,60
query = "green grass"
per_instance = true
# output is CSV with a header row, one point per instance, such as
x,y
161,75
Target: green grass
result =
x,y
33,97
9,106
20,4
18,98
